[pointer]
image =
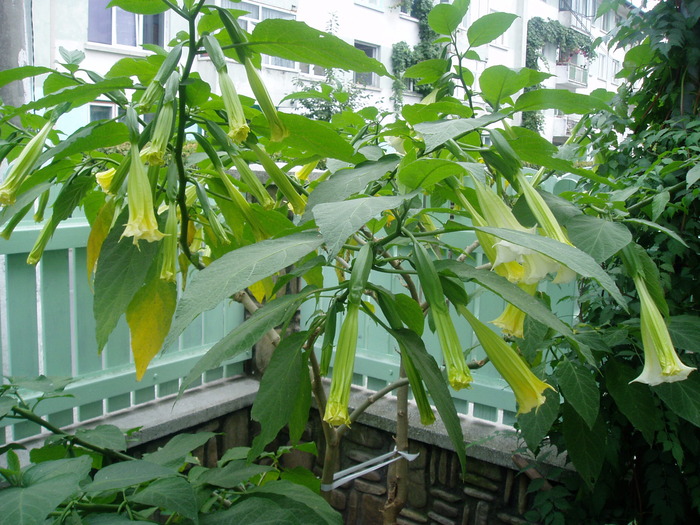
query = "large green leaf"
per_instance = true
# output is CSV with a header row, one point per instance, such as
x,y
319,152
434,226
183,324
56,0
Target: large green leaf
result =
x,y
683,397
438,132
245,335
349,181
260,511
175,451
127,474
684,330
121,270
279,389
300,498
634,400
560,99
70,471
172,494
316,137
142,7
499,82
578,261
293,40
425,173
235,271
338,220
508,291
580,389
105,436
232,474
437,387
655,226
99,134
599,238
19,73
535,424
445,18
428,70
489,27
584,446
144,68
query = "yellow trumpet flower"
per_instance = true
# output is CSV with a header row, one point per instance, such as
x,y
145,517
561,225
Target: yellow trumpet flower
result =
x,y
142,219
512,320
337,406
104,179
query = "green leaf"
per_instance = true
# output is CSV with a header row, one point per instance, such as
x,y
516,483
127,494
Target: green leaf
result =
x,y
599,238
425,173
260,511
658,227
417,113
279,389
145,69
98,134
302,476
175,451
488,28
346,182
508,291
499,82
692,176
245,335
535,425
437,388
299,499
578,261
560,99
584,446
658,204
300,413
127,474
682,397
338,220
42,383
428,70
104,436
437,133
635,400
19,73
684,330
6,404
121,270
316,137
233,474
293,40
112,519
70,471
141,7
235,271
172,494
76,95
444,18
411,313
579,389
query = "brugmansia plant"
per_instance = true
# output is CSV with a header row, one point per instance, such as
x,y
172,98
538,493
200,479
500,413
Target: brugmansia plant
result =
x,y
397,202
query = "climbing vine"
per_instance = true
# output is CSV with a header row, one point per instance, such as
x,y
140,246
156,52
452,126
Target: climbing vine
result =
x,y
403,57
570,42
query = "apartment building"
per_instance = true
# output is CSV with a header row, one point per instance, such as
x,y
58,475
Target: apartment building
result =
x,y
107,35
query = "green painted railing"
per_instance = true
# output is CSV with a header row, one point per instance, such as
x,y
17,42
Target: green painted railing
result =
x,y
47,327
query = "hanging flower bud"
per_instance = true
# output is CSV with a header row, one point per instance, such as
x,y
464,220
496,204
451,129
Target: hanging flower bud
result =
x,y
154,152
168,265
23,164
238,126
142,219
277,129
339,397
527,387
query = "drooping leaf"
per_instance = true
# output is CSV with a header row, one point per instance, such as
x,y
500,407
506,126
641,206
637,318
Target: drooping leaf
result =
x,y
584,445
658,227
599,238
692,176
295,496
580,389
174,452
683,397
634,400
105,436
232,474
294,40
245,335
685,332
438,132
338,220
172,494
535,425
560,99
346,182
300,413
149,315
578,261
315,137
489,27
424,173
235,271
279,389
19,73
437,388
98,234
121,270
411,313
127,474
98,134
499,82
658,204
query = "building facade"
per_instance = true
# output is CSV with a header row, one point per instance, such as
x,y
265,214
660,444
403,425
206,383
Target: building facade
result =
x,y
107,35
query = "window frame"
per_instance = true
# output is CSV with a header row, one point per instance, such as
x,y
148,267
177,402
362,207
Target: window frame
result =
x,y
96,10
374,82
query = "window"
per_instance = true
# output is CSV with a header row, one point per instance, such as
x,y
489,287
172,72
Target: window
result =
x,y
107,110
311,70
582,7
116,26
602,63
615,67
367,79
258,13
377,4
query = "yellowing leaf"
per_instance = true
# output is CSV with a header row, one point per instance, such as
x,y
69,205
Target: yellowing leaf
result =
x,y
262,289
149,316
98,234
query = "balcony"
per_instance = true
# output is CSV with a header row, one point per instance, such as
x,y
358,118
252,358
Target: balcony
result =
x,y
571,76
576,20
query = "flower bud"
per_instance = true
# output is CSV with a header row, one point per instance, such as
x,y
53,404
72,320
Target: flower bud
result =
x,y
339,397
142,219
168,265
277,129
154,152
238,126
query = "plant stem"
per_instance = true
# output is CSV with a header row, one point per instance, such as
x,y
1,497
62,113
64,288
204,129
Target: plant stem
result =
x,y
398,472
